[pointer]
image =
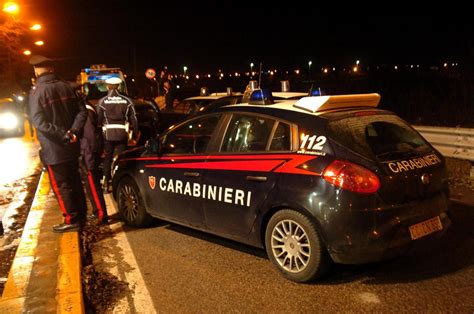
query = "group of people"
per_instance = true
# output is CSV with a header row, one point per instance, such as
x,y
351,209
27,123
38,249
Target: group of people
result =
x,y
73,134
163,90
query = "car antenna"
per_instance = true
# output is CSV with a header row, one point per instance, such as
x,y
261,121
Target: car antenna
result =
x,y
260,76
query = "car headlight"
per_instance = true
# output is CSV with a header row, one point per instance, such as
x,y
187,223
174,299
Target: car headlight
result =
x,y
8,121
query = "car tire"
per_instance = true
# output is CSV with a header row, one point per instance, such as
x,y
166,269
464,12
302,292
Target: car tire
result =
x,y
130,204
294,246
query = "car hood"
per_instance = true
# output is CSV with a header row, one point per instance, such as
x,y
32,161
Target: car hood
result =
x,y
132,153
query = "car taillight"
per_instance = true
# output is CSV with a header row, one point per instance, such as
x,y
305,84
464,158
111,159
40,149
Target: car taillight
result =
x,y
351,177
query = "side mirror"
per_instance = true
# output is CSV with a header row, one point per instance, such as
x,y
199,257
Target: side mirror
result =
x,y
153,145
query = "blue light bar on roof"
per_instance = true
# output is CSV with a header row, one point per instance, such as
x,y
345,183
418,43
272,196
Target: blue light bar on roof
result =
x,y
261,97
315,92
102,77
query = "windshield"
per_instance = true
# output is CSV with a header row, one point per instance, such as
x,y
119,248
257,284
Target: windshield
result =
x,y
98,90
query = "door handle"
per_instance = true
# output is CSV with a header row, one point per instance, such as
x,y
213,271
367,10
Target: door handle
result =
x,y
256,178
192,174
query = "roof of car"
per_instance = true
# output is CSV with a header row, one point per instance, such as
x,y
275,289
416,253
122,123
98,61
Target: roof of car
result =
x,y
289,95
321,104
213,96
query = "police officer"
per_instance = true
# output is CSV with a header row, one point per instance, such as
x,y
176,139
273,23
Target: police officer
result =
x,y
91,150
59,117
115,113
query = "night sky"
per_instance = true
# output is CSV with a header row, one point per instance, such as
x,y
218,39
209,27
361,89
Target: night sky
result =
x,y
229,35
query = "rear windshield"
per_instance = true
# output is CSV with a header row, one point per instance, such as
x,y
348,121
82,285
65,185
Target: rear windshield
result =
x,y
384,137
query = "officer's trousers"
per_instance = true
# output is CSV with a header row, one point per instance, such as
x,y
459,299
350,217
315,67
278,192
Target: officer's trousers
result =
x,y
112,148
67,187
91,179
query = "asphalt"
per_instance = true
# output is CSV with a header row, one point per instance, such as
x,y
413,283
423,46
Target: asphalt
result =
x,y
45,275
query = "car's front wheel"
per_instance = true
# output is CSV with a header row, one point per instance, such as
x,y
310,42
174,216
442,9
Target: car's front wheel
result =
x,y
130,204
295,247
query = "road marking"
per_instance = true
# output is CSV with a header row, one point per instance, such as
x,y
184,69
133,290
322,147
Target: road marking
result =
x,y
118,257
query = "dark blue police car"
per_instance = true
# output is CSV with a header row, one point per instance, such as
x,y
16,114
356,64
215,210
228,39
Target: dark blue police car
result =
x,y
314,180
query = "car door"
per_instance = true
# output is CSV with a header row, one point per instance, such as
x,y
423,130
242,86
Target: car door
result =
x,y
176,176
239,177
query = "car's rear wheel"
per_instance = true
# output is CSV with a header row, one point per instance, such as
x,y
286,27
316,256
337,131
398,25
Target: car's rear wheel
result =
x,y
295,247
130,204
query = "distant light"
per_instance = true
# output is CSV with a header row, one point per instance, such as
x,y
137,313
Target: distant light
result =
x,y
251,65
209,76
272,73
411,66
445,64
35,27
417,65
396,67
197,76
187,77
453,64
222,75
11,8
325,70
27,52
39,43
334,69
297,71
357,62
177,86
355,69
310,62
236,74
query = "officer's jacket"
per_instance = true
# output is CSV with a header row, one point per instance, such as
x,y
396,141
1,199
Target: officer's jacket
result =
x,y
91,141
55,109
114,112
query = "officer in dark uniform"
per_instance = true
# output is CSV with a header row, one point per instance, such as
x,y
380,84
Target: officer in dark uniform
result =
x,y
91,150
59,117
115,113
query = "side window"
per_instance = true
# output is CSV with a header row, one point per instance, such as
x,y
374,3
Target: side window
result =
x,y
247,134
192,137
282,138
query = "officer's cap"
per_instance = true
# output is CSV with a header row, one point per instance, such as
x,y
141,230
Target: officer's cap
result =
x,y
113,80
39,61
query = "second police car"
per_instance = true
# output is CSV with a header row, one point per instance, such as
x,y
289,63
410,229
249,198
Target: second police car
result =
x,y
313,181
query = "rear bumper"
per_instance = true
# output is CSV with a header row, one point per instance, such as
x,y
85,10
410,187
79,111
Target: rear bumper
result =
x,y
386,246
378,232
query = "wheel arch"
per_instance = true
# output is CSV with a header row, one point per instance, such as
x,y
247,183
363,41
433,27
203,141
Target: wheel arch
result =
x,y
274,209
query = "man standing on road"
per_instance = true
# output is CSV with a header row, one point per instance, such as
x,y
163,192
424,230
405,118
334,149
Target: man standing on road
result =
x,y
91,150
115,113
59,117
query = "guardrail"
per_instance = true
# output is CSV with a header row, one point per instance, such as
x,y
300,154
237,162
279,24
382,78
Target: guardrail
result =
x,y
451,142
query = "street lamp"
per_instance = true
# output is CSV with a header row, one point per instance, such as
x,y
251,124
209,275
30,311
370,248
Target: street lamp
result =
x,y
35,27
309,68
39,43
251,69
185,68
11,8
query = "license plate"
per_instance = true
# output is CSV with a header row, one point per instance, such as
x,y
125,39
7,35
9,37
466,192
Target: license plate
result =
x,y
425,227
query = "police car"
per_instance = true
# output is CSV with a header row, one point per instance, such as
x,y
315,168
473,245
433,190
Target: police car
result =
x,y
207,102
12,118
313,181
